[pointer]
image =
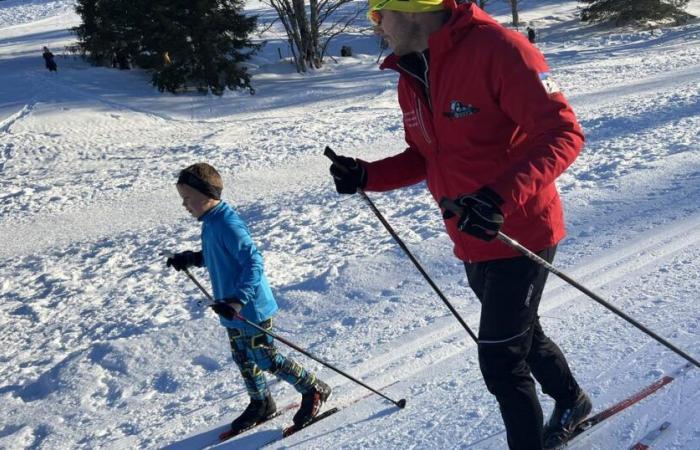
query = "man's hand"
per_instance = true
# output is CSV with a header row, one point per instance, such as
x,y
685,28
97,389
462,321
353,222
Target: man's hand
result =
x,y
481,214
185,260
228,308
349,176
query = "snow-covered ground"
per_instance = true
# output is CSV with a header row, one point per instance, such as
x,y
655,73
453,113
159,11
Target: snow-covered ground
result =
x,y
102,347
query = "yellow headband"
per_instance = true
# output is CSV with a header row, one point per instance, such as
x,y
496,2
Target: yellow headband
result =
x,y
406,5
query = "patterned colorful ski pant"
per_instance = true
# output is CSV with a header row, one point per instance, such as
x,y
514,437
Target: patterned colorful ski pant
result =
x,y
254,353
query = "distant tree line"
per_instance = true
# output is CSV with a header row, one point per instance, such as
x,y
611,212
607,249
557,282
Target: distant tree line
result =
x,y
204,43
619,12
200,43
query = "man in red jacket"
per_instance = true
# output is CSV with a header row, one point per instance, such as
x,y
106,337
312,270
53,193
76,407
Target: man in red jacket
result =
x,y
486,125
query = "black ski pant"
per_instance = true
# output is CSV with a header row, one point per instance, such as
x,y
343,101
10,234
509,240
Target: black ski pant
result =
x,y
512,345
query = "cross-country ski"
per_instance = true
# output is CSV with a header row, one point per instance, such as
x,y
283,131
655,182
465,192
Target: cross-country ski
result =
x,y
651,437
231,432
591,424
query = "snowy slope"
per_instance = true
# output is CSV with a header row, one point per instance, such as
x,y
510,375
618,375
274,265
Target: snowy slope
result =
x,y
102,347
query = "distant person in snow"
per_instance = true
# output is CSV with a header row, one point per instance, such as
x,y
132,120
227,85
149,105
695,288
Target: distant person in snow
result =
x,y
241,288
123,60
487,127
531,35
49,61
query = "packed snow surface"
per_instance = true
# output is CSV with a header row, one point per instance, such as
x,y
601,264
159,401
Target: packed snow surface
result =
x,y
103,347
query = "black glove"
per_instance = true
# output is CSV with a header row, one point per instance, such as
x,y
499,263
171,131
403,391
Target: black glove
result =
x,y
351,177
228,309
185,260
482,216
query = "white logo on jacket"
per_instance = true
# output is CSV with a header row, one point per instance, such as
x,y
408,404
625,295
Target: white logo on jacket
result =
x,y
550,86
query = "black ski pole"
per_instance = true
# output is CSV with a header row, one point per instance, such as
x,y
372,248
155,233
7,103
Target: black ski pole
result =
x,y
452,206
334,158
401,403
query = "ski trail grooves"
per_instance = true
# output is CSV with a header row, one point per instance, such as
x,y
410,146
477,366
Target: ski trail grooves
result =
x,y
440,343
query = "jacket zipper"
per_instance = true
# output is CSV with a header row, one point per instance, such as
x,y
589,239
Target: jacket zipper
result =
x,y
427,84
420,120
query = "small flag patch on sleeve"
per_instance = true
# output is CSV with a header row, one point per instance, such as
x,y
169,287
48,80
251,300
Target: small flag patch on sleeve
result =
x,y
550,86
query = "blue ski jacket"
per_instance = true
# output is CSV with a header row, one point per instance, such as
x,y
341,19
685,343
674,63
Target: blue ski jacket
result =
x,y
235,265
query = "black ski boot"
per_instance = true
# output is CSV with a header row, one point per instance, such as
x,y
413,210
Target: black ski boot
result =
x,y
311,403
256,412
564,420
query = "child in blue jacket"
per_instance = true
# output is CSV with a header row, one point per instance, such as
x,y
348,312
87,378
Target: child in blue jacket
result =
x,y
240,288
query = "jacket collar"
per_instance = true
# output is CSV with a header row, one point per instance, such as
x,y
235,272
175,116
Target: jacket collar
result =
x,y
416,64
213,213
464,17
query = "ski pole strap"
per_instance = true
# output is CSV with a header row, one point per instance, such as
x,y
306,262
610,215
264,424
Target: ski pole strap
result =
x,y
450,205
328,152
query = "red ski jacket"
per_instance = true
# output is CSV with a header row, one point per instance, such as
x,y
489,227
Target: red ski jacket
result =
x,y
494,118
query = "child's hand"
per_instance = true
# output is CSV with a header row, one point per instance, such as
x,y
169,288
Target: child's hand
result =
x,y
184,260
228,309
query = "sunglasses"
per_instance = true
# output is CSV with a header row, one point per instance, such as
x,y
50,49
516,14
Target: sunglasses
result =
x,y
374,14
375,17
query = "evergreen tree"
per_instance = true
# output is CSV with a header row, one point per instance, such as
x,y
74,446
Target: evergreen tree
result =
x,y
622,12
184,42
109,28
206,42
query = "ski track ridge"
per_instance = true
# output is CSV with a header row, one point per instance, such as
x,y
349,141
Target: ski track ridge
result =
x,y
6,124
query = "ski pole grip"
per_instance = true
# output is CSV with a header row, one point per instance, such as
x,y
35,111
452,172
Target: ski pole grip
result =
x,y
450,205
330,154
